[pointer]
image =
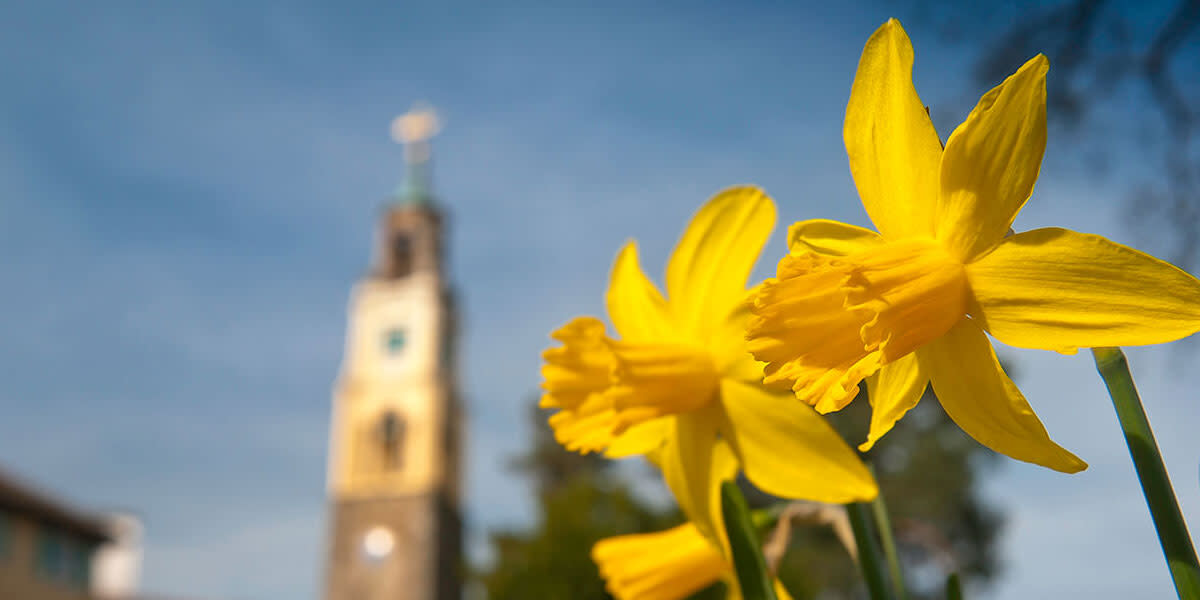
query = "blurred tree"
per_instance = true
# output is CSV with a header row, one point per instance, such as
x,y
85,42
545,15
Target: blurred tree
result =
x,y
927,467
1123,83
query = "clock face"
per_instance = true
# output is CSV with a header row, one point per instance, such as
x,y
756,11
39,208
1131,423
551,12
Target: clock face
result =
x,y
378,543
394,348
395,341
395,332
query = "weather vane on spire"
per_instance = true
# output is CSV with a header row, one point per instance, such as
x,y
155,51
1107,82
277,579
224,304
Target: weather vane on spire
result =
x,y
414,129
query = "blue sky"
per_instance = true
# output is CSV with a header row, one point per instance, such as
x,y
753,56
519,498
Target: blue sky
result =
x,y
188,191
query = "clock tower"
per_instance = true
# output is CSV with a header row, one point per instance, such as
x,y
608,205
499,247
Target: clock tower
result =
x,y
393,481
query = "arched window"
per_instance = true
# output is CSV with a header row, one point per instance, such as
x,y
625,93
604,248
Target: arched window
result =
x,y
402,255
390,431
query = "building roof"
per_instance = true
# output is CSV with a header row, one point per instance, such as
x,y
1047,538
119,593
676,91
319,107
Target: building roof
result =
x,y
22,498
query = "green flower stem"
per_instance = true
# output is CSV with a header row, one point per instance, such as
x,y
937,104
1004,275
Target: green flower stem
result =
x,y
1156,486
748,562
868,552
953,587
886,536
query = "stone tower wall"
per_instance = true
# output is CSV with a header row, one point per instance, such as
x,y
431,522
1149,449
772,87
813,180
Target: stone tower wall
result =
x,y
394,528
425,565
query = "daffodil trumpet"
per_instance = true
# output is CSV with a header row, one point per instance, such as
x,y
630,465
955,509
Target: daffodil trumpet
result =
x,y
1172,530
912,304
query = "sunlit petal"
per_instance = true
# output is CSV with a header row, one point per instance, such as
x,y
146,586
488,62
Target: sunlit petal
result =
x,y
731,354
707,273
693,464
893,391
893,148
639,439
831,238
985,403
992,161
789,450
635,306
781,592
1056,289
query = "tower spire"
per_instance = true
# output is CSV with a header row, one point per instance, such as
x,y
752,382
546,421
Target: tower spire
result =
x,y
414,129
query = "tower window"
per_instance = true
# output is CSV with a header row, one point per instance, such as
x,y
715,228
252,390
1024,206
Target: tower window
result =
x,y
402,258
394,340
390,432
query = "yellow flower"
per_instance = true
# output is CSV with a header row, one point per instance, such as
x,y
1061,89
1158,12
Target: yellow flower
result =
x,y
679,384
665,565
910,305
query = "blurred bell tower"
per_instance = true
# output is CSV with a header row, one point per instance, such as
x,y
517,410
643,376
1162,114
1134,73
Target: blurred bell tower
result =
x,y
394,450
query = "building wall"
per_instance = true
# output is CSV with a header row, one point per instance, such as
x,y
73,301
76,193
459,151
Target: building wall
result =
x,y
24,575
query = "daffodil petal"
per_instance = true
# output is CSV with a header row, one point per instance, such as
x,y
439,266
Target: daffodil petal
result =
x,y
723,467
664,565
893,148
707,273
893,391
635,306
789,450
640,439
985,403
781,592
831,238
749,371
992,161
694,464
728,343
733,593
1056,289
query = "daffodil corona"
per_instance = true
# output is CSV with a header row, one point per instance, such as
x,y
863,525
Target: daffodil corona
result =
x,y
674,563
679,385
909,305
665,565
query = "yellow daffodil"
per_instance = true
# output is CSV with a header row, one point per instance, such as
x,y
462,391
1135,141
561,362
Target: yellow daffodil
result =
x,y
909,305
666,565
679,384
